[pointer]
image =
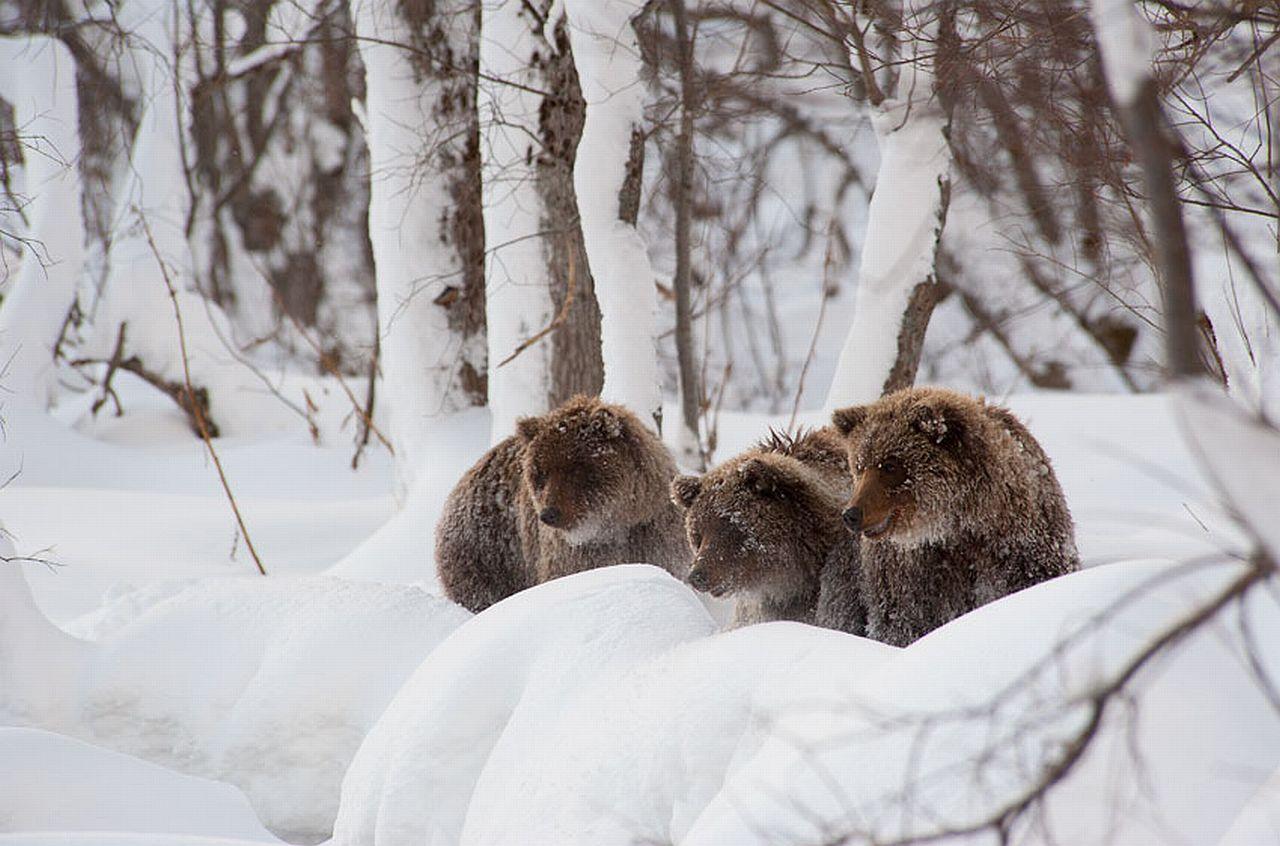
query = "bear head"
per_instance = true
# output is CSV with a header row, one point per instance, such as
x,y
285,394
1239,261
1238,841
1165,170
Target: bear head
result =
x,y
592,470
916,457
762,522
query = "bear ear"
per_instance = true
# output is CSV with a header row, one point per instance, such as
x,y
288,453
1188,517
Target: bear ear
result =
x,y
847,419
936,423
527,428
685,489
761,477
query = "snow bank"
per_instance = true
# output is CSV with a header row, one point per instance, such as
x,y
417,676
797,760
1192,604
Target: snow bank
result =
x,y
965,718
269,684
38,661
53,783
635,756
445,757
402,550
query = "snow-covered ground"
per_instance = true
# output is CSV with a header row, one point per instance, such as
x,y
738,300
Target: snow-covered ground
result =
x,y
600,709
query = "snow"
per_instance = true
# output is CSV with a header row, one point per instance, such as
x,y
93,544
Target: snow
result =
x,y
269,684
51,783
456,729
608,60
605,707
1242,454
970,706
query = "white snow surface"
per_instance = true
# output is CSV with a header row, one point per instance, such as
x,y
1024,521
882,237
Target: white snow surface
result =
x,y
604,708
269,684
53,783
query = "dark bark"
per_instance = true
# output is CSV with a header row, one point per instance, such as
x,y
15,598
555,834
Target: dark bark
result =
x,y
1153,148
576,363
915,318
682,199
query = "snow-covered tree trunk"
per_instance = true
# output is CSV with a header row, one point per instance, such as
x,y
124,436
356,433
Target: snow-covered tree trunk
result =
x,y
609,64
519,273
38,300
897,285
532,119
150,269
424,214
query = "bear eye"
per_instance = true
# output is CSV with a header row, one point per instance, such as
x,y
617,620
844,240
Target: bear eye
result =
x,y
893,471
696,540
539,478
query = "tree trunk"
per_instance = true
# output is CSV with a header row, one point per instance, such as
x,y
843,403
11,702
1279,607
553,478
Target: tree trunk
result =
x,y
606,178
531,113
897,286
682,188
576,367
424,214
38,301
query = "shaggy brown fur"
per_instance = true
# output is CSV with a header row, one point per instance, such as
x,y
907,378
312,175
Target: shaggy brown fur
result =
x,y
580,487
957,505
764,524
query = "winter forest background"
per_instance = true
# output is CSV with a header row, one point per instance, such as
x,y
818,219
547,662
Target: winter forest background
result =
x,y
273,274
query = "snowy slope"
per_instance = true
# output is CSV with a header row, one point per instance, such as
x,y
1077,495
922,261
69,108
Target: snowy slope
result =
x,y
384,707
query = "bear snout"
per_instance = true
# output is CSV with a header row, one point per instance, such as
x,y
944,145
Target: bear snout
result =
x,y
551,516
852,517
699,580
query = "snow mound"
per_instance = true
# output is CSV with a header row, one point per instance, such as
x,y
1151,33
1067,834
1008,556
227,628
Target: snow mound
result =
x,y
269,684
635,756
54,783
964,720
444,756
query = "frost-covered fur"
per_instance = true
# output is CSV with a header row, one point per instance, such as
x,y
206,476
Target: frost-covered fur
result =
x,y
580,487
957,505
765,524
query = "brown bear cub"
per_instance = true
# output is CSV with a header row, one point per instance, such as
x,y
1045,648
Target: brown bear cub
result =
x,y
956,504
764,524
583,486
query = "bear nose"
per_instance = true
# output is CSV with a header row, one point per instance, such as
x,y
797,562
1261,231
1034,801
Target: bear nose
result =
x,y
550,515
853,518
698,579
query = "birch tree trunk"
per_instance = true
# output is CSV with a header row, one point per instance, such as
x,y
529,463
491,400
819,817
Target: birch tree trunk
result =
x,y
424,214
38,300
897,287
608,61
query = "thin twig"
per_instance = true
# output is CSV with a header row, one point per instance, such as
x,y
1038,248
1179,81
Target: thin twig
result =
x,y
196,410
366,415
327,364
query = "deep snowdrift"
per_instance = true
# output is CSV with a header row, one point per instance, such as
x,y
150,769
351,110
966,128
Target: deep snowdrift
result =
x,y
52,783
268,684
604,708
